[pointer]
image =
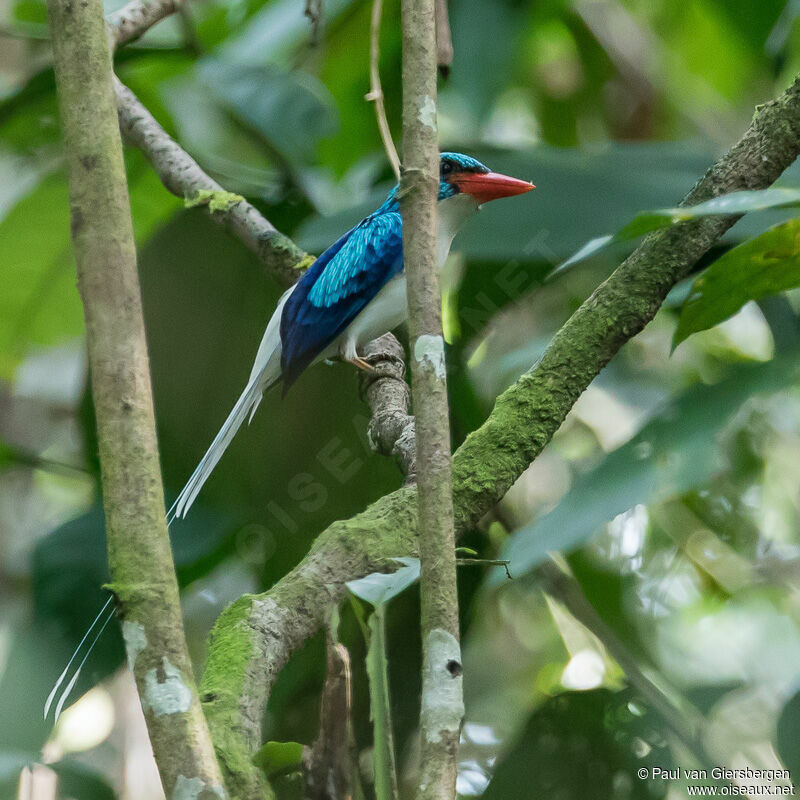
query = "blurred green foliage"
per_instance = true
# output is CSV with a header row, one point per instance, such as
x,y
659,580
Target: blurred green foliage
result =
x,y
673,484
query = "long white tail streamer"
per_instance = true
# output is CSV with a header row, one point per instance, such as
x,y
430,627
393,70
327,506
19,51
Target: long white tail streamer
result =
x,y
266,373
65,694
63,675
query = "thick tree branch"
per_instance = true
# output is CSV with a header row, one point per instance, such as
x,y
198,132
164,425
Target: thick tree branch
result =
x,y
139,553
254,638
442,707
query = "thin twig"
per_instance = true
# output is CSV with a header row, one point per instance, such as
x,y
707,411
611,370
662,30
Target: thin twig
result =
x,y
375,89
486,562
184,177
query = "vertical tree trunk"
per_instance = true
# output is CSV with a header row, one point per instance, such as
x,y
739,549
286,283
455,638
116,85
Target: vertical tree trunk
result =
x,y
442,702
138,544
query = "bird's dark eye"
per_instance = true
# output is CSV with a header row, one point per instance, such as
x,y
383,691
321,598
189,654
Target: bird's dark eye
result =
x,y
447,167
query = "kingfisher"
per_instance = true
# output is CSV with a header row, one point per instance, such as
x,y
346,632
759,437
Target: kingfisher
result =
x,y
353,293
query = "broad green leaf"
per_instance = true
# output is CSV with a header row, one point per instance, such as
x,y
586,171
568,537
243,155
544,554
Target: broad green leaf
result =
x,y
39,304
274,32
765,265
290,110
278,758
726,205
580,194
33,11
481,69
379,588
673,453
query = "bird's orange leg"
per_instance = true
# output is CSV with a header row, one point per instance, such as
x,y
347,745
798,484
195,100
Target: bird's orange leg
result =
x,y
361,363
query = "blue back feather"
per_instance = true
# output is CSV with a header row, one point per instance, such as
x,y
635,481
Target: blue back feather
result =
x,y
337,286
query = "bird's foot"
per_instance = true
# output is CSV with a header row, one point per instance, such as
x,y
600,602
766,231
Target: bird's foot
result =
x,y
361,363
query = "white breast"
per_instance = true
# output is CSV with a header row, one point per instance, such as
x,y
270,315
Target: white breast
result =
x,y
388,308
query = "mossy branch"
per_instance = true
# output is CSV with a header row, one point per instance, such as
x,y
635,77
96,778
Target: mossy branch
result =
x,y
139,553
184,177
524,419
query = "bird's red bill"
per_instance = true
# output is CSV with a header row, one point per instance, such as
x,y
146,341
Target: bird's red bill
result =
x,y
492,186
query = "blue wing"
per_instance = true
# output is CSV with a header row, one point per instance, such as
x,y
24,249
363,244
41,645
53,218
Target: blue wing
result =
x,y
336,288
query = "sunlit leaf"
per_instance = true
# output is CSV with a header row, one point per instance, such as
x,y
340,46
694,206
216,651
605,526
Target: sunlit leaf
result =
x,y
765,265
278,758
39,304
379,588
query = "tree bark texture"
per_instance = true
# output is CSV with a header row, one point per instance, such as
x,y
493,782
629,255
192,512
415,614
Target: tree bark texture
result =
x,y
138,545
442,708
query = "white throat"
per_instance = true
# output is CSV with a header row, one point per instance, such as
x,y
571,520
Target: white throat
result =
x,y
451,215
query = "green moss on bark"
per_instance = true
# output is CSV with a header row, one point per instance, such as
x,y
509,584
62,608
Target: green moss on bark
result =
x,y
232,649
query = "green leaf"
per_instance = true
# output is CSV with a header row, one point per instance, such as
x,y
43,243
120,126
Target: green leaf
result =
x,y
379,588
39,304
600,188
279,758
33,11
788,736
673,453
380,707
765,265
729,204
290,110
